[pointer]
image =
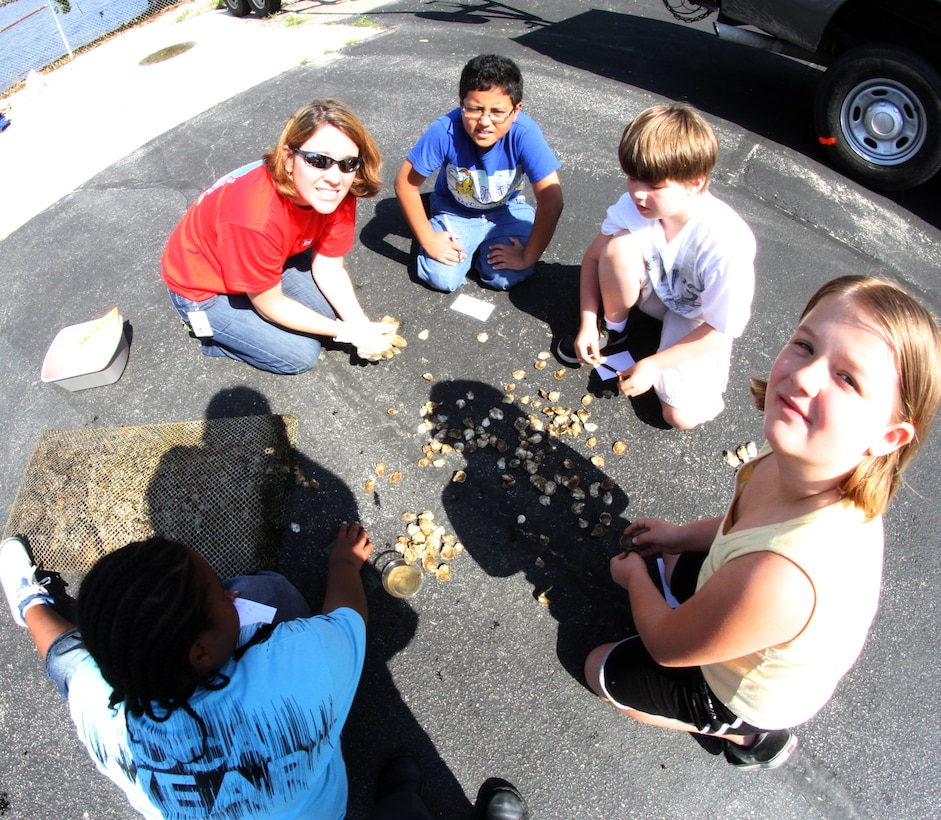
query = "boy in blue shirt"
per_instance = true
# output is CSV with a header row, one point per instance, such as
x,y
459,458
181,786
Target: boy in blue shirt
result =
x,y
483,149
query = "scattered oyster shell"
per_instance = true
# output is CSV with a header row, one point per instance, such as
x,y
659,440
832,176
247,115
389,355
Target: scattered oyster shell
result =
x,y
731,458
483,336
619,448
424,334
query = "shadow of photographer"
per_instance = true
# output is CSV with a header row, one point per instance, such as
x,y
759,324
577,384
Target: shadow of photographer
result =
x,y
307,502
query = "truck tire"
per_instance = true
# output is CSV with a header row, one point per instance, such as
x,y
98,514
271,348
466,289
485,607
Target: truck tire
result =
x,y
264,8
238,8
878,116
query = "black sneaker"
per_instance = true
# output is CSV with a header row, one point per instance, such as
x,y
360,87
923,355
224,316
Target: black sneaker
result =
x,y
498,799
611,338
564,349
767,751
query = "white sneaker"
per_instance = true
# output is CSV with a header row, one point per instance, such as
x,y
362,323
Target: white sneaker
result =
x,y
18,576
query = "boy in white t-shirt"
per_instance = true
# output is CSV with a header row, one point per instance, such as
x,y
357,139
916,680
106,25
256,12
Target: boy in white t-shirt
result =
x,y
679,254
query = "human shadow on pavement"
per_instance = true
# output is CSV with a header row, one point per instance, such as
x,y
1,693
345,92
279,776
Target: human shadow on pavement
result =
x,y
380,721
542,508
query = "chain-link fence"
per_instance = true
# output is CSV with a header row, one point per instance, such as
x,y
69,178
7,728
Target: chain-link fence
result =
x,y
36,33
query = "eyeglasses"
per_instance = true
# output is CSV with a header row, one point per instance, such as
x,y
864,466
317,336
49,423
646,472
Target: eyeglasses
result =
x,y
322,162
496,117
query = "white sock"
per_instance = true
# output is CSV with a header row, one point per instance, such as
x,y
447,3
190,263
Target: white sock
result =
x,y
616,327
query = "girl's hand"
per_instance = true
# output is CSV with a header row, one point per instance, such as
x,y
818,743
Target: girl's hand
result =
x,y
653,536
623,566
444,248
352,547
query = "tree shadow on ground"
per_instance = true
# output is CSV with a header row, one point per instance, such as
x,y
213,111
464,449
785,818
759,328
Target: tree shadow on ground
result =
x,y
764,93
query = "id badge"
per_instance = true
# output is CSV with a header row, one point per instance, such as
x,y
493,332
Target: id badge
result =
x,y
199,323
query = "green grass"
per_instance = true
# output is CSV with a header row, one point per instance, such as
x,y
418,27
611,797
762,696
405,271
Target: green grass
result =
x,y
362,22
294,20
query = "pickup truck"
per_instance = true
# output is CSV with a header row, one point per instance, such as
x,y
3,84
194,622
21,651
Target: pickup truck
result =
x,y
877,110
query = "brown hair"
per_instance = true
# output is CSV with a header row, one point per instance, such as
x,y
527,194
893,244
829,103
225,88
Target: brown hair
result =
x,y
311,118
668,142
913,336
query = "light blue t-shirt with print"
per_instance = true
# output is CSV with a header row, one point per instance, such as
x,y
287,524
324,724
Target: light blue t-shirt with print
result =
x,y
269,744
476,180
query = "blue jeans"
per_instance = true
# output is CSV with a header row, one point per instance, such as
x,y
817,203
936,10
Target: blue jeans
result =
x,y
67,651
515,219
239,331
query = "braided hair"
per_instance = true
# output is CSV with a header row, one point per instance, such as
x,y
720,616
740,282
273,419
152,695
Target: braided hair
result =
x,y
140,609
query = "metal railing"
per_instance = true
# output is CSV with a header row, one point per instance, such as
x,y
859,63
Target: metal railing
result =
x,y
35,34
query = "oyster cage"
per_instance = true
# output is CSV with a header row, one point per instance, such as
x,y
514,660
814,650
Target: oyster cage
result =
x,y
220,486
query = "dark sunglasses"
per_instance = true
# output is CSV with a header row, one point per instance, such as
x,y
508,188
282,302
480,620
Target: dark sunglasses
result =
x,y
322,162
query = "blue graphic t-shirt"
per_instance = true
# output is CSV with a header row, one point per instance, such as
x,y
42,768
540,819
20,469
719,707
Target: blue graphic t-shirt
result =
x,y
270,746
478,180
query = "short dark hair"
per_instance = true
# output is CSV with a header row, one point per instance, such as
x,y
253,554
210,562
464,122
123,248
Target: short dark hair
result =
x,y
488,71
140,609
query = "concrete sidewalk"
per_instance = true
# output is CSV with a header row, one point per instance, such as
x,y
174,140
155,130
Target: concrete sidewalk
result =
x,y
74,122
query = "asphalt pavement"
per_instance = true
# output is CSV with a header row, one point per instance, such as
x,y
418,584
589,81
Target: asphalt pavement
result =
x,y
477,675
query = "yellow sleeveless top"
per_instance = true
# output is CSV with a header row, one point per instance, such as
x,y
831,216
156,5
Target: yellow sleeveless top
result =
x,y
841,553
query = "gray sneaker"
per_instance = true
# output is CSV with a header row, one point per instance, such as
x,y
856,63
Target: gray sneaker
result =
x,y
767,751
18,576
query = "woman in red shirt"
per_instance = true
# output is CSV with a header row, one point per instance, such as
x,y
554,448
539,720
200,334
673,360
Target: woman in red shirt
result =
x,y
256,265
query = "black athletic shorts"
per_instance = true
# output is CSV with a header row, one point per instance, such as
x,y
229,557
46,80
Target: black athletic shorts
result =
x,y
632,679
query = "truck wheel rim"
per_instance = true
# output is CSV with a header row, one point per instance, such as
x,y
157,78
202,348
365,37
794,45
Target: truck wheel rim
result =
x,y
883,122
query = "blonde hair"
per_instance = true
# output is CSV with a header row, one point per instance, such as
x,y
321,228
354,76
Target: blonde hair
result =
x,y
668,142
310,119
912,334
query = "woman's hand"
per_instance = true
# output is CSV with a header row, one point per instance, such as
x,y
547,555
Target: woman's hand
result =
x,y
373,340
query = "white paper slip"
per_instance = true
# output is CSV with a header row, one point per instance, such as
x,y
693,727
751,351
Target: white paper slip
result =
x,y
617,363
252,612
477,308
